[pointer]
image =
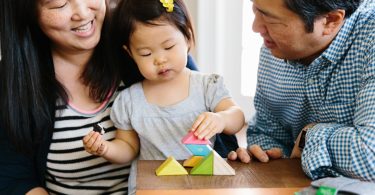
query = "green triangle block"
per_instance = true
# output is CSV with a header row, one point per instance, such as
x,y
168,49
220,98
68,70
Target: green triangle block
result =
x,y
205,167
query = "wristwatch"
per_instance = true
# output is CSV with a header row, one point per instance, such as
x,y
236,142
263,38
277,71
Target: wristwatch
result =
x,y
302,140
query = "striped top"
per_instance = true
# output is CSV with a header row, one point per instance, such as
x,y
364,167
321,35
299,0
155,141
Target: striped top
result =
x,y
72,170
337,90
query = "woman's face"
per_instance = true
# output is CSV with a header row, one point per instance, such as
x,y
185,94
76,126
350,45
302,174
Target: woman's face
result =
x,y
72,25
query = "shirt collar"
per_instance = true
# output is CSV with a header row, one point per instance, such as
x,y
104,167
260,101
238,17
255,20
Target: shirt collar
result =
x,y
336,50
342,42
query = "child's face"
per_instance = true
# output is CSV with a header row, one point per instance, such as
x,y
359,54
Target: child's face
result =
x,y
160,51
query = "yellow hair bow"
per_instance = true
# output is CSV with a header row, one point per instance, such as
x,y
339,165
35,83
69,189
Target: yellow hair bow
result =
x,y
168,4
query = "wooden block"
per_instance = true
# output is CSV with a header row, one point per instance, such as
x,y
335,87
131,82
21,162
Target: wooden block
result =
x,y
199,150
192,161
205,167
221,167
190,138
171,167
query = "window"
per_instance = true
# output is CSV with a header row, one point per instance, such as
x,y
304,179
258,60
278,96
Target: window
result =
x,y
251,43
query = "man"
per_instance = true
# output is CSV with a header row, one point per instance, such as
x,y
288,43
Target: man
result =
x,y
316,74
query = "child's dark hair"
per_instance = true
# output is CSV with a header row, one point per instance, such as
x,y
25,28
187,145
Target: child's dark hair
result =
x,y
128,12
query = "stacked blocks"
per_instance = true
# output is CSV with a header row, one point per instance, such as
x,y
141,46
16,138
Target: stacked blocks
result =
x,y
205,160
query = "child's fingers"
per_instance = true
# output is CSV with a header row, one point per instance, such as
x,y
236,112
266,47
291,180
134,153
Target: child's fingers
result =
x,y
203,129
92,142
197,122
211,131
87,138
91,139
97,143
101,149
209,135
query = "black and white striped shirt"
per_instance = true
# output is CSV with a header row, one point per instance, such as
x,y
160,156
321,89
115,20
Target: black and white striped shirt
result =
x,y
72,170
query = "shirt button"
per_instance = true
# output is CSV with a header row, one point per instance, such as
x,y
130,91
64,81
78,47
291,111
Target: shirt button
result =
x,y
311,81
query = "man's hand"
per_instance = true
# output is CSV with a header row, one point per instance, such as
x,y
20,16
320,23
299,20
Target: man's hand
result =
x,y
255,151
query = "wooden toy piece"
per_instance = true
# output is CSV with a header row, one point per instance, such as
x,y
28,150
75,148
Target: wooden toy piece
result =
x,y
190,138
171,167
205,167
221,167
199,150
99,128
192,161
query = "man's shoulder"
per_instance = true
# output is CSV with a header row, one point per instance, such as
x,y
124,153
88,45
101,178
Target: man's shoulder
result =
x,y
366,16
358,31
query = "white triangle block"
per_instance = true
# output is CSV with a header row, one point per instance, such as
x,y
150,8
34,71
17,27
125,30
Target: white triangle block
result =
x,y
221,167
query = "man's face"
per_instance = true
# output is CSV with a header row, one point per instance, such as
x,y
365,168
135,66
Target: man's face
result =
x,y
284,32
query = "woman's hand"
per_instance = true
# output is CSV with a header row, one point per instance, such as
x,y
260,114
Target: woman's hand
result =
x,y
208,124
94,144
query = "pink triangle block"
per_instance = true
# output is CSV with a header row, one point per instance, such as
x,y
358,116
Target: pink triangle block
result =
x,y
190,138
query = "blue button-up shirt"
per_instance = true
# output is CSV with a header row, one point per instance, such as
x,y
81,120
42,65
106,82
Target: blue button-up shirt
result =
x,y
337,90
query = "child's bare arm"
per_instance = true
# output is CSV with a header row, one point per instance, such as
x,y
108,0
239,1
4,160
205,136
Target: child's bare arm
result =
x,y
123,149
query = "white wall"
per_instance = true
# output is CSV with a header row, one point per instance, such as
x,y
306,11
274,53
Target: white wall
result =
x,y
226,45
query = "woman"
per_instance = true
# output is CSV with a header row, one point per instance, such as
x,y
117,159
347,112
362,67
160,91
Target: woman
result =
x,y
56,84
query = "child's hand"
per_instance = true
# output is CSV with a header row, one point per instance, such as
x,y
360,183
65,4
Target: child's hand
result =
x,y
94,144
207,125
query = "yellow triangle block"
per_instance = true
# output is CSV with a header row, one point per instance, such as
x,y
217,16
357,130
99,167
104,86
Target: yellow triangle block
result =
x,y
171,167
221,167
192,161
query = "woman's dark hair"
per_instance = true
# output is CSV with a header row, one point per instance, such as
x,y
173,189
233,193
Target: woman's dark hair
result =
x,y
128,12
29,89
309,10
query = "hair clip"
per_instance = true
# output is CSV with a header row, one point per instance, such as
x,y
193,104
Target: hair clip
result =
x,y
168,4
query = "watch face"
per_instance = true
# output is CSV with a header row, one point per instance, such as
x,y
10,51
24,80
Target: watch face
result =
x,y
301,143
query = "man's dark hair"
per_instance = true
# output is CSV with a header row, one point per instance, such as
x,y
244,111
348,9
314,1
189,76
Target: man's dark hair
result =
x,y
309,10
